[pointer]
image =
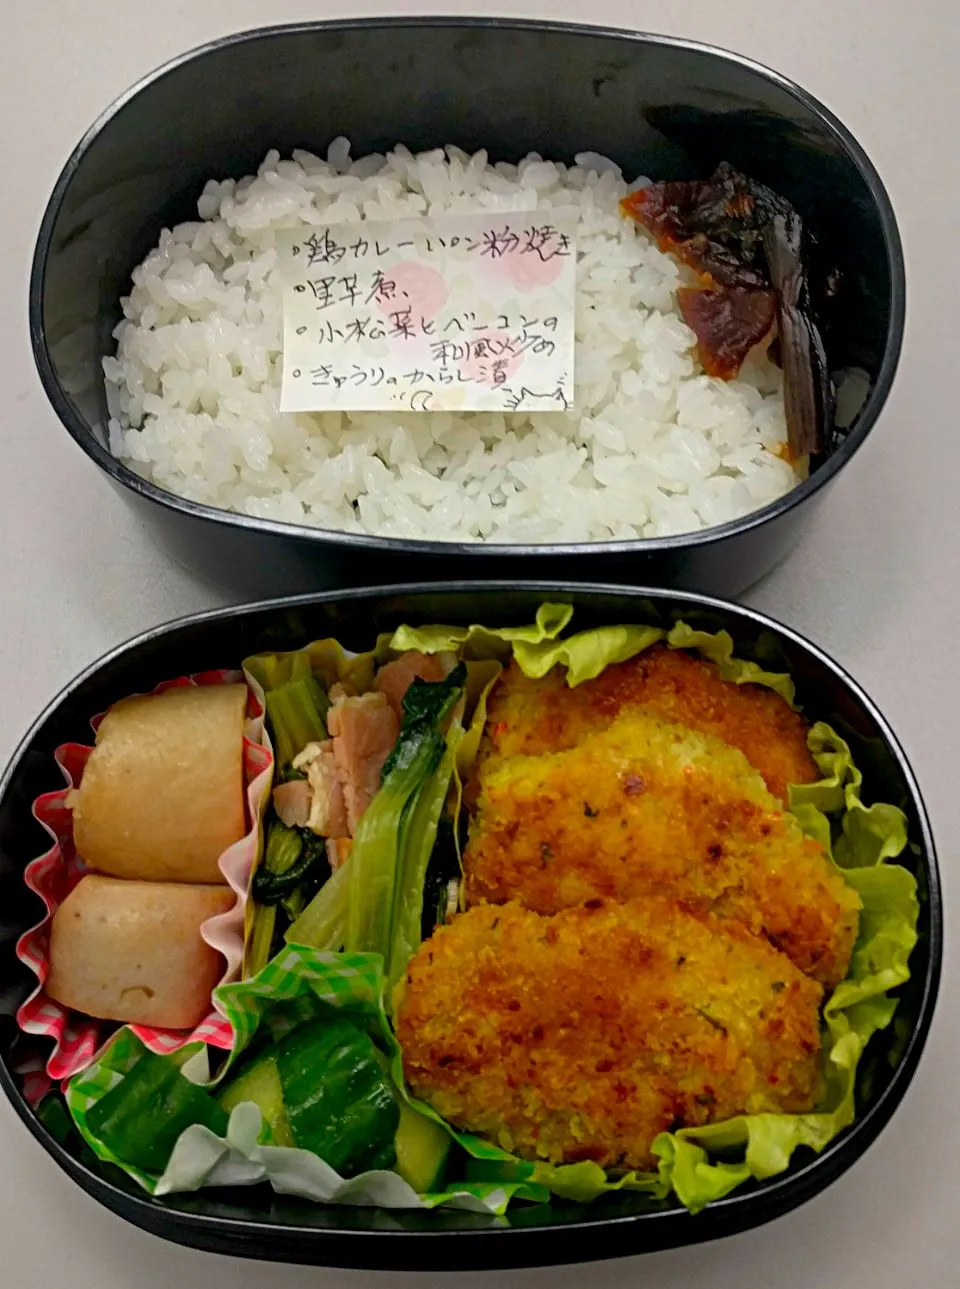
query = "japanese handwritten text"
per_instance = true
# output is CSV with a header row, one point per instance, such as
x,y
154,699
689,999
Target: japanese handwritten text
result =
x,y
467,312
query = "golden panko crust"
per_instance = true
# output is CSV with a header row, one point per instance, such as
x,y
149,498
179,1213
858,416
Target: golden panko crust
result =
x,y
648,807
584,1035
530,717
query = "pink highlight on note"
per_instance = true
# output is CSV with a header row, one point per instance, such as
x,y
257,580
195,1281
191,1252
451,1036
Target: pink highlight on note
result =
x,y
528,272
416,287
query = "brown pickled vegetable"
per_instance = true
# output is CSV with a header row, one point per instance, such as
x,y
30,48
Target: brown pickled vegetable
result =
x,y
727,322
745,244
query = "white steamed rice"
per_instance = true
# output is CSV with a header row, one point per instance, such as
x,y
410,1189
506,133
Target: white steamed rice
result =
x,y
654,446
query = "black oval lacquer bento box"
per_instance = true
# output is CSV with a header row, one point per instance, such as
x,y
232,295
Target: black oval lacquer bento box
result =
x,y
257,1223
666,108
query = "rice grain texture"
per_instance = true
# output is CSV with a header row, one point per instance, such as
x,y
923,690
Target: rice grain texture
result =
x,y
653,446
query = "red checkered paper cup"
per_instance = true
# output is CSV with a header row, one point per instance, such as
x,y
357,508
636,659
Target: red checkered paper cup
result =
x,y
53,875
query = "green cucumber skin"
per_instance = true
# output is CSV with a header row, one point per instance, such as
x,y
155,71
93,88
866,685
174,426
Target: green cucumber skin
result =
x,y
142,1117
339,1103
323,1088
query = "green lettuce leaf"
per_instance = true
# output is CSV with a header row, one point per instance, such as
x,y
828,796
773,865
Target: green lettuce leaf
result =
x,y
868,835
862,841
701,1165
718,647
586,654
479,642
538,649
858,1008
697,1165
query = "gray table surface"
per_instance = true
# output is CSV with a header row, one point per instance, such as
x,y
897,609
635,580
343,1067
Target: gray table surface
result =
x,y
876,583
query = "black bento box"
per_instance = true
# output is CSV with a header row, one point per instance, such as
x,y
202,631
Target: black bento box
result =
x,y
257,1223
658,106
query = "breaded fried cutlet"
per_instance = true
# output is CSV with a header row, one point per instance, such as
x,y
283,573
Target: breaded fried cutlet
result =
x,y
529,717
647,806
583,1035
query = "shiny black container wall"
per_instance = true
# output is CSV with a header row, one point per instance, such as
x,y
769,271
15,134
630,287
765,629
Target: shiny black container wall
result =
x,y
657,106
255,1223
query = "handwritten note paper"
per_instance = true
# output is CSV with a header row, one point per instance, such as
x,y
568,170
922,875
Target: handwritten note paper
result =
x,y
459,312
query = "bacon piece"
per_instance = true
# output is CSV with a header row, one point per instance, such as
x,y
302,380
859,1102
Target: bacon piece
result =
x,y
364,731
395,678
328,813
